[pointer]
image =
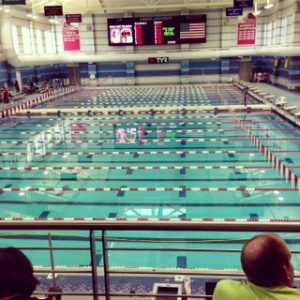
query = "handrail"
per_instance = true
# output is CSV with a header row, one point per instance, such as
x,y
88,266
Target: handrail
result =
x,y
235,225
122,224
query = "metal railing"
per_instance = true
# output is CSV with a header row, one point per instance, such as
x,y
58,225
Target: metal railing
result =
x,y
105,227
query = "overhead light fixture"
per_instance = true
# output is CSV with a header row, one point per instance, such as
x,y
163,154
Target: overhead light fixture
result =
x,y
54,21
268,5
32,16
256,11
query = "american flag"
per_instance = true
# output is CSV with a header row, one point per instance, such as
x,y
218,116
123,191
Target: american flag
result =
x,y
192,30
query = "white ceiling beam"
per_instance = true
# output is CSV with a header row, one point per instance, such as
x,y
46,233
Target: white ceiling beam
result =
x,y
186,4
147,2
122,6
167,6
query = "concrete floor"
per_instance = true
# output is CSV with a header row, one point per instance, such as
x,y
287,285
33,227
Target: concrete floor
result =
x,y
292,97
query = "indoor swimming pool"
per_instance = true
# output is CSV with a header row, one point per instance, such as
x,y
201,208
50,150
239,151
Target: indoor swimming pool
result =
x,y
182,165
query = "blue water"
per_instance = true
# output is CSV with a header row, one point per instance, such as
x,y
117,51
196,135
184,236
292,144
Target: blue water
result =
x,y
77,156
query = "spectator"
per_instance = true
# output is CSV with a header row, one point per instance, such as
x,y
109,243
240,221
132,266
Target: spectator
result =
x,y
5,95
245,92
17,87
55,293
266,261
17,281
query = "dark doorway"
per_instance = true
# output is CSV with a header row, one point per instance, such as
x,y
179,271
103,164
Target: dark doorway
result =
x,y
74,74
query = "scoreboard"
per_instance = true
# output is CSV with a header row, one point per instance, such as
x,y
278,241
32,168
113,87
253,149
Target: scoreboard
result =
x,y
160,30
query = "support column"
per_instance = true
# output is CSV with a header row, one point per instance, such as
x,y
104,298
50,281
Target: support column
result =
x,y
130,72
225,70
185,72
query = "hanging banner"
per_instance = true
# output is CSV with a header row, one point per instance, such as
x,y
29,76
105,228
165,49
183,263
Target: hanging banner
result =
x,y
246,35
234,12
73,18
243,3
71,38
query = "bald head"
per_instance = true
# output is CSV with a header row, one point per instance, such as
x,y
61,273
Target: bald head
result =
x,y
266,261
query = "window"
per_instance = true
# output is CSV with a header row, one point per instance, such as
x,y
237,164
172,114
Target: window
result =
x,y
274,33
39,39
32,38
269,34
26,40
15,37
265,39
283,31
49,42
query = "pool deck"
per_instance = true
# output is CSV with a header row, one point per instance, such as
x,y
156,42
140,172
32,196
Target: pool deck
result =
x,y
292,97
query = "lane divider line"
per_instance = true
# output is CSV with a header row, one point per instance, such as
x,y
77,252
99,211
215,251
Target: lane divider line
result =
x,y
58,168
204,152
284,170
146,189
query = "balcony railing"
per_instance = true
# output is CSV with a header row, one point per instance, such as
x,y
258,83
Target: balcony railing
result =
x,y
99,238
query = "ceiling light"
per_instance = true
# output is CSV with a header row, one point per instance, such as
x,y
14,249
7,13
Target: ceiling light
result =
x,y
53,21
32,16
256,11
268,5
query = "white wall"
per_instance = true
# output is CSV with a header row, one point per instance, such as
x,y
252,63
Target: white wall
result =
x,y
221,30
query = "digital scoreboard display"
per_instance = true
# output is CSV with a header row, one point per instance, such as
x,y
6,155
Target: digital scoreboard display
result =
x,y
168,30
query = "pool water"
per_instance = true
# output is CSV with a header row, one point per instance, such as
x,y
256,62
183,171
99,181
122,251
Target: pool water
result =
x,y
160,166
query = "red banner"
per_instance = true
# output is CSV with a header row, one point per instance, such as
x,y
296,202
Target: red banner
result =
x,y
71,38
246,35
73,18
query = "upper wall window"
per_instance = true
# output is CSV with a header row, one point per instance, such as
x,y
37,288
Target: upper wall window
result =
x,y
32,38
15,37
26,40
49,42
265,40
274,33
283,31
39,39
269,34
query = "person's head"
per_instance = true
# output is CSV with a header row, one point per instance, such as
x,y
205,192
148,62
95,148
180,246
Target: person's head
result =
x,y
55,293
266,261
16,273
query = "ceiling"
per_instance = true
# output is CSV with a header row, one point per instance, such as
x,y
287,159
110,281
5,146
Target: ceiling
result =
x,y
132,6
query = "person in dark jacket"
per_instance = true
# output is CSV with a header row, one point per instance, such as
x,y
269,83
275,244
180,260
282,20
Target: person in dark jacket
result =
x,y
17,281
17,87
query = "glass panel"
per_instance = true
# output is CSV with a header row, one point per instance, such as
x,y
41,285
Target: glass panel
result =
x,y
26,40
283,32
49,42
40,47
15,38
